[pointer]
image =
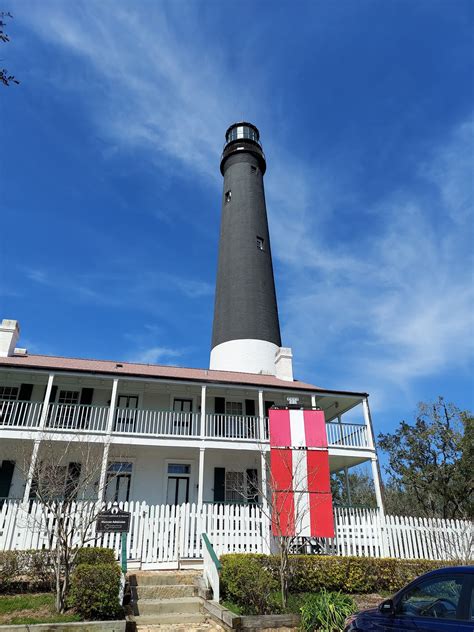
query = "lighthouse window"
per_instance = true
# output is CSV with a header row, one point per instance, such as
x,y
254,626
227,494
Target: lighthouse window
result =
x,y
253,168
228,196
260,243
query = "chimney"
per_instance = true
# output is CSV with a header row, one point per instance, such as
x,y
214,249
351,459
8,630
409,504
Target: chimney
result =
x,y
284,364
9,334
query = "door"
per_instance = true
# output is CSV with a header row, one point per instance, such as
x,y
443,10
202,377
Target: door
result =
x,y
182,419
125,416
178,490
6,475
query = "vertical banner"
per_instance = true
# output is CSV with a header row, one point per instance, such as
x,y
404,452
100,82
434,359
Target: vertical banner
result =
x,y
299,469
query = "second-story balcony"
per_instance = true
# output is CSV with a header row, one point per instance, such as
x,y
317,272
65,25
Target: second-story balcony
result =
x,y
137,422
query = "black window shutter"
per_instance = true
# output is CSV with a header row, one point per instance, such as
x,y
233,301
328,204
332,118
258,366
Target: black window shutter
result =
x,y
86,396
250,407
6,475
25,392
219,405
54,392
252,486
72,480
219,484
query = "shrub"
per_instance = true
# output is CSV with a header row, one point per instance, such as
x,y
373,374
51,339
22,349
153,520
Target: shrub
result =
x,y
95,555
312,573
95,591
9,570
247,582
326,611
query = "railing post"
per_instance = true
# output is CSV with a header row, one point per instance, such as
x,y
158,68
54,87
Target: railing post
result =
x,y
110,425
42,423
201,477
203,412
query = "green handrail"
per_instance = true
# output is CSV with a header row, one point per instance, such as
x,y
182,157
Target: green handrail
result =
x,y
211,551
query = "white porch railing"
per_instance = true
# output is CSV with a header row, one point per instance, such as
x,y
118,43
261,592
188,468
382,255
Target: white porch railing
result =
x,y
160,535
156,422
20,414
160,423
232,426
347,435
77,417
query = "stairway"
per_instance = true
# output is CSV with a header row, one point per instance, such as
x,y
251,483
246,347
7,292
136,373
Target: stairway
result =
x,y
167,600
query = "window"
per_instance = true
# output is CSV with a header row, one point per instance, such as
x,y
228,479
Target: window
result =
x,y
253,168
228,196
119,475
437,597
233,408
9,393
234,487
179,468
68,397
260,243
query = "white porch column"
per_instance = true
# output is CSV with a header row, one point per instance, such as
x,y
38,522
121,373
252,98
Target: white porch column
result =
x,y
201,477
374,461
42,423
263,467
203,411
110,425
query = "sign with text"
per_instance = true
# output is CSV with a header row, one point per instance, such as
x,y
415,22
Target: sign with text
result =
x,y
113,520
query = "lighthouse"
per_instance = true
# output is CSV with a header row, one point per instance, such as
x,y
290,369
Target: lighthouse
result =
x,y
246,330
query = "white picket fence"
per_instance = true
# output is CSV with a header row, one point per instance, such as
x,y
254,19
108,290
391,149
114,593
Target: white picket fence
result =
x,y
163,535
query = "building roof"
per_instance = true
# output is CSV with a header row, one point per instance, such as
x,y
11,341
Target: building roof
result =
x,y
133,369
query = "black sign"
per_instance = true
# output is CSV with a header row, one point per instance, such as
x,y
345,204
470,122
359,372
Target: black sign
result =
x,y
113,520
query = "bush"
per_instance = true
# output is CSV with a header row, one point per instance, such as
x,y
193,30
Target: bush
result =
x,y
25,570
326,611
95,591
247,582
9,570
312,573
95,555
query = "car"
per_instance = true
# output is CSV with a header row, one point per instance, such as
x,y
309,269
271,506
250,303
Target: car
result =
x,y
439,601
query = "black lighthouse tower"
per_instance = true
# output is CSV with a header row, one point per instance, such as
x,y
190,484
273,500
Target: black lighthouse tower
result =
x,y
246,332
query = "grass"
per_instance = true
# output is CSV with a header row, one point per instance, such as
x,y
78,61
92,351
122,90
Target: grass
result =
x,y
31,608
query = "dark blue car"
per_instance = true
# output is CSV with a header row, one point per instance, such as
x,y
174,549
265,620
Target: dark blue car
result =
x,y
440,601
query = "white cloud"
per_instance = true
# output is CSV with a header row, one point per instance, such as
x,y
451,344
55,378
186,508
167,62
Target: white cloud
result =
x,y
155,355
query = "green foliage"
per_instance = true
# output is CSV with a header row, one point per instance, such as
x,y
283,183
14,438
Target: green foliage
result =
x,y
95,591
430,462
94,555
326,611
248,583
362,491
313,573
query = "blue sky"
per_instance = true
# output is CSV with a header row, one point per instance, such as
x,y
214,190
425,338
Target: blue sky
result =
x,y
111,186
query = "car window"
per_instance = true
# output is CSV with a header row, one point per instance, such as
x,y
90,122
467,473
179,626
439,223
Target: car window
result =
x,y
437,597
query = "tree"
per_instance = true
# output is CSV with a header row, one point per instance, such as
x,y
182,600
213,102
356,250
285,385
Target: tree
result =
x,y
64,502
5,78
280,512
430,463
361,491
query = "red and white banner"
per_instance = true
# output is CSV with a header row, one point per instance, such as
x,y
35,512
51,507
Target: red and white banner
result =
x,y
299,466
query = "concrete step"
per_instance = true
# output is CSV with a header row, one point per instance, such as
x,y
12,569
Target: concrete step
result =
x,y
205,626
167,591
179,605
175,618
162,578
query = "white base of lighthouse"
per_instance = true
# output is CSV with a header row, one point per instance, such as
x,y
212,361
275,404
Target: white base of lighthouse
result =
x,y
246,356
